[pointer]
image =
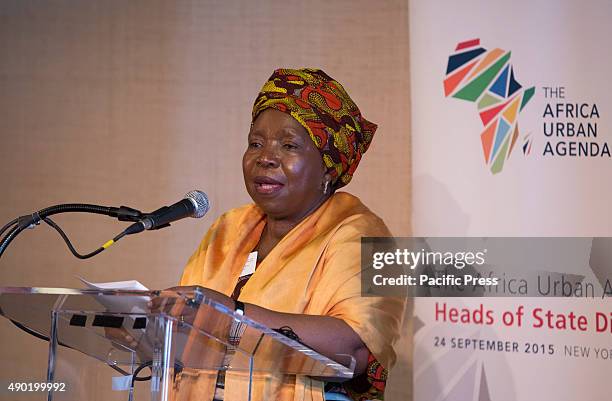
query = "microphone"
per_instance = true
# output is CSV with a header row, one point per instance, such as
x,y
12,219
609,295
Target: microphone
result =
x,y
195,204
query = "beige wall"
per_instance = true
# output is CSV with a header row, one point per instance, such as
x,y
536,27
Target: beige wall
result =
x,y
117,102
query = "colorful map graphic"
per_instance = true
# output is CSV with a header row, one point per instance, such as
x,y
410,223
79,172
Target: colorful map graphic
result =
x,y
487,78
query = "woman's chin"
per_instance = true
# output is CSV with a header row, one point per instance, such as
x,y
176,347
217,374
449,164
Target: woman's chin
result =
x,y
269,202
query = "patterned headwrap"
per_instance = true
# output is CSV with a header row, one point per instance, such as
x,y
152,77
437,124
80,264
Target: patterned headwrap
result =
x,y
322,106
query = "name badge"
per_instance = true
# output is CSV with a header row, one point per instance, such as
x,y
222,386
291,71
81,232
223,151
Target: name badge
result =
x,y
249,266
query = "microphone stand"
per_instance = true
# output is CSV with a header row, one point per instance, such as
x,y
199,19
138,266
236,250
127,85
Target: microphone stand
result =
x,y
19,224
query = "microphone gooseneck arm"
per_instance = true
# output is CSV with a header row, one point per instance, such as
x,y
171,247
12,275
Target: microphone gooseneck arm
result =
x,y
195,204
8,225
13,232
122,213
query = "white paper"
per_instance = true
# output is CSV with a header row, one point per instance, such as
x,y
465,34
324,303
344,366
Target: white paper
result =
x,y
116,285
125,304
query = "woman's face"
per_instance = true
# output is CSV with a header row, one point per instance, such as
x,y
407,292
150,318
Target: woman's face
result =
x,y
283,170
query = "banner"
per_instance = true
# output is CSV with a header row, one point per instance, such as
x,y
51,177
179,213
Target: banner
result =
x,y
512,349
511,136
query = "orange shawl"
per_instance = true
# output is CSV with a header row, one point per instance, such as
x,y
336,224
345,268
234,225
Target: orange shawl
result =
x,y
314,269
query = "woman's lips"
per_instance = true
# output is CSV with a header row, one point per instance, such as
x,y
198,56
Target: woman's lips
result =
x,y
267,185
268,188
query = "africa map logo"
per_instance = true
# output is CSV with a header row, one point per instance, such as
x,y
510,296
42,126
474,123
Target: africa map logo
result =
x,y
486,77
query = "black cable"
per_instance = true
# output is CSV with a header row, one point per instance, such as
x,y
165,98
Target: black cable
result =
x,y
177,368
125,373
68,243
34,333
118,369
137,370
17,229
71,247
141,379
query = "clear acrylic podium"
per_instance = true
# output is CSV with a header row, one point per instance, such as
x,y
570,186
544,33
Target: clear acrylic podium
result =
x,y
118,330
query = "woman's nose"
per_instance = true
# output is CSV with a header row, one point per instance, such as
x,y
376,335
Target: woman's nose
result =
x,y
268,157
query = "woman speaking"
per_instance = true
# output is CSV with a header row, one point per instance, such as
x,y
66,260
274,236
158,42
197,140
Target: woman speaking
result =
x,y
306,140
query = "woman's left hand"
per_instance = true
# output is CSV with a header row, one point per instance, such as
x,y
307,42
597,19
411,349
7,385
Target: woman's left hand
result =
x,y
183,302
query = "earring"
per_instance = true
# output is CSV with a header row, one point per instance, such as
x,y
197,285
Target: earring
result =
x,y
325,187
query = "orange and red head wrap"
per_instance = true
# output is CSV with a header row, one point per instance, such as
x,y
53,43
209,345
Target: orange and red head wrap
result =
x,y
322,106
